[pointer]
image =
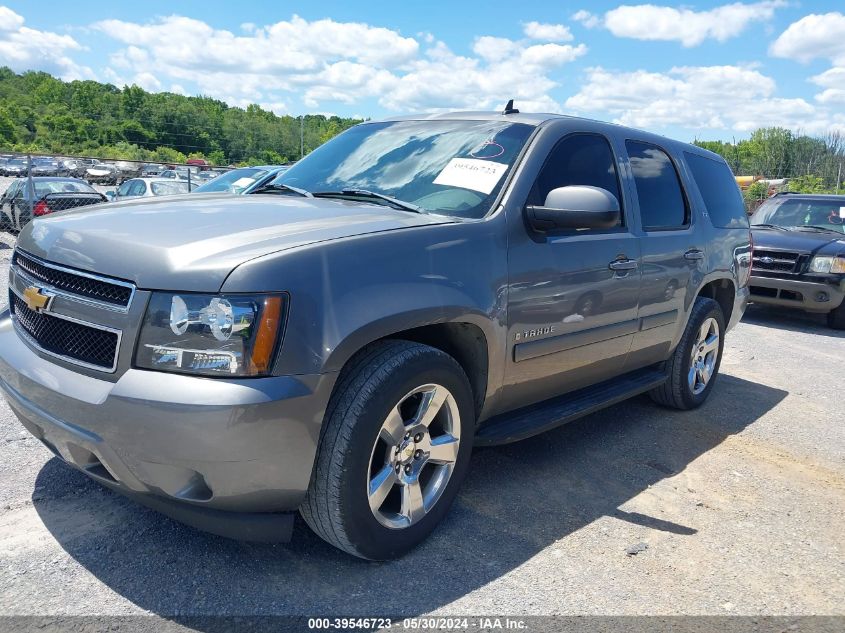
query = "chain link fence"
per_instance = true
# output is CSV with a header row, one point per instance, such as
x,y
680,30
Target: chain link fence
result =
x,y
32,186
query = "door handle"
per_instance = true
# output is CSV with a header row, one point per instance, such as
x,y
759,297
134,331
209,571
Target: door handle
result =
x,y
694,254
623,264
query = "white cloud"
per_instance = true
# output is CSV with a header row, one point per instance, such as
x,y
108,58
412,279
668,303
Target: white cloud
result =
x,y
698,97
445,80
547,32
295,44
817,37
691,28
326,61
586,18
812,37
23,48
833,82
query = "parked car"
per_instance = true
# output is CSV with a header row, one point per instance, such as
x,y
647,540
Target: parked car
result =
x,y
128,168
200,163
20,203
150,187
82,165
799,254
242,180
103,174
45,167
339,343
17,167
151,170
68,167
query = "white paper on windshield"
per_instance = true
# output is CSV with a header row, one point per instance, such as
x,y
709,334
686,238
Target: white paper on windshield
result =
x,y
471,173
842,212
243,182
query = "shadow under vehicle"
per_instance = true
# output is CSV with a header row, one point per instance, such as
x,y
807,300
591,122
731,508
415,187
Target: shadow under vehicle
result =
x,y
563,481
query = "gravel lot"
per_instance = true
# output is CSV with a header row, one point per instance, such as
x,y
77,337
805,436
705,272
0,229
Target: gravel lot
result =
x,y
737,508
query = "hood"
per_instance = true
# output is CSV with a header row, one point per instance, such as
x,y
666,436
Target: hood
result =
x,y
192,242
798,241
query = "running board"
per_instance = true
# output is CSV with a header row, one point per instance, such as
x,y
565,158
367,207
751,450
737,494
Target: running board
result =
x,y
544,416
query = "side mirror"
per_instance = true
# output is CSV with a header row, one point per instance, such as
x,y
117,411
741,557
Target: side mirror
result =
x,y
575,207
110,194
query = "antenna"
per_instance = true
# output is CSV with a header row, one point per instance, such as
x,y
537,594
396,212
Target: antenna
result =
x,y
509,109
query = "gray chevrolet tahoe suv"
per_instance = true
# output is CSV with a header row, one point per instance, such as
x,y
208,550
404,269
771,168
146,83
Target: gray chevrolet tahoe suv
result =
x,y
338,342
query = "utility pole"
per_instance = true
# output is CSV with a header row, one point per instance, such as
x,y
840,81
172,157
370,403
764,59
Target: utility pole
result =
x,y
301,136
838,178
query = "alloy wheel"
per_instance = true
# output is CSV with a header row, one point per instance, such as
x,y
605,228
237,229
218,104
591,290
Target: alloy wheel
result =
x,y
705,353
414,456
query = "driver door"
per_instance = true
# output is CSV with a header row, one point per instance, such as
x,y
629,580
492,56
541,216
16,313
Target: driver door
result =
x,y
573,295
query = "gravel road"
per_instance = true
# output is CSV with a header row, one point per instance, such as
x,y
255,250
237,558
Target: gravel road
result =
x,y
736,508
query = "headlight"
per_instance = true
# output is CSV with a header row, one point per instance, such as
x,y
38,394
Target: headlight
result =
x,y
828,265
222,335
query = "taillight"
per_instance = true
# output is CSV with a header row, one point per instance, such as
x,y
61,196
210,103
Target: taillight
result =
x,y
41,208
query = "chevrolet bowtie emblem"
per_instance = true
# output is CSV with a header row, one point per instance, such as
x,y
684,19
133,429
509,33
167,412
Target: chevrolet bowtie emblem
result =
x,y
36,300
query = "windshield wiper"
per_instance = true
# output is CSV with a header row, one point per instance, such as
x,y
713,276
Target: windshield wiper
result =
x,y
275,186
771,226
364,193
820,228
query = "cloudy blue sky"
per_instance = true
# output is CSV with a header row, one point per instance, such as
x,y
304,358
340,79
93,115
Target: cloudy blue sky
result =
x,y
703,70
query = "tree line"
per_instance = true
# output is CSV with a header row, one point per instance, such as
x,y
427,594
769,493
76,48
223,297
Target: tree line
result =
x,y
813,164
42,114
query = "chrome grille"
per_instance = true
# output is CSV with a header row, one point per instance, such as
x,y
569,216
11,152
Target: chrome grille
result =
x,y
75,283
776,261
67,338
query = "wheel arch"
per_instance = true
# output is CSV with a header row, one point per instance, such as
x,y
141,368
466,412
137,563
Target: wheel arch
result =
x,y
462,336
723,291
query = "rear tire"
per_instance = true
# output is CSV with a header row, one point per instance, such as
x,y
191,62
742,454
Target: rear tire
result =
x,y
694,365
383,477
836,318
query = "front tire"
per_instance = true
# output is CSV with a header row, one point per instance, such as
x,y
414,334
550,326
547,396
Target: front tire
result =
x,y
694,365
394,450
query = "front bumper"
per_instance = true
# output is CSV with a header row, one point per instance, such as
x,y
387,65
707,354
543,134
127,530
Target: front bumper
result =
x,y
804,294
172,441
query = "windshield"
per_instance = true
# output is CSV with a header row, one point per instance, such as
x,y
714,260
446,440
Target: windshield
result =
x,y
17,162
234,181
448,167
61,186
169,188
799,212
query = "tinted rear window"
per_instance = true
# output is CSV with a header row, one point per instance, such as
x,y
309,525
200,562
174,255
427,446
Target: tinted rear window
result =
x,y
719,190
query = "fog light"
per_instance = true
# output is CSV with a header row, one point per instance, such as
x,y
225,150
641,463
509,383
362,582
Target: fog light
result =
x,y
822,297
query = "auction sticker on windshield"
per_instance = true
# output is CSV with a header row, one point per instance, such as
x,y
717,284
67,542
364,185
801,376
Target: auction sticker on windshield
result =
x,y
471,173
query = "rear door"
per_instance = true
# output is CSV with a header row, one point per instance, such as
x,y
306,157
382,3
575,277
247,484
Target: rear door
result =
x,y
573,295
673,255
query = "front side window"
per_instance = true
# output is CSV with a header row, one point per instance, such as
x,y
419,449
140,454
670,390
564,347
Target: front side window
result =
x,y
578,159
447,167
662,204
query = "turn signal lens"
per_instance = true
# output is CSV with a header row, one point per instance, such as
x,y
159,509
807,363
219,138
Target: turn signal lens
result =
x,y
838,265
